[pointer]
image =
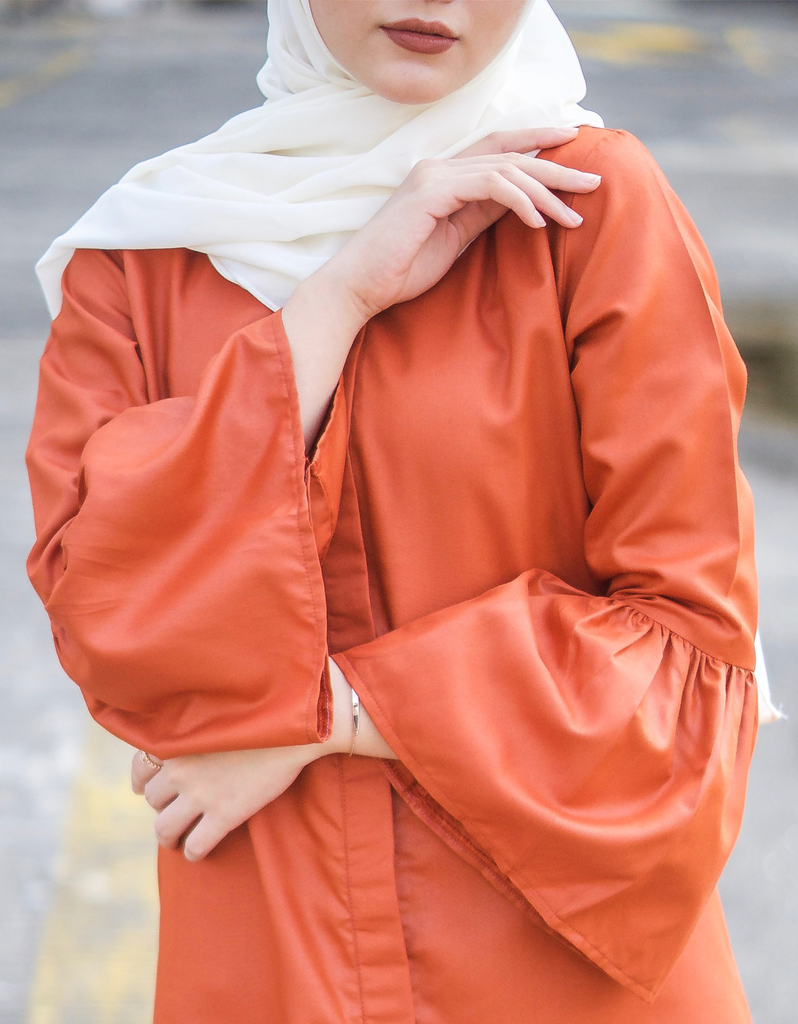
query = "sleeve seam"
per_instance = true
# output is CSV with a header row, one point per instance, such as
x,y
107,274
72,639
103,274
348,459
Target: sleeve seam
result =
x,y
679,636
312,710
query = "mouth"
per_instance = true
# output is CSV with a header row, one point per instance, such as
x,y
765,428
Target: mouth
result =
x,y
420,36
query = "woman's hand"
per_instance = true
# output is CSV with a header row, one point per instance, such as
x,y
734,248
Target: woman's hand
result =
x,y
412,241
205,796
443,205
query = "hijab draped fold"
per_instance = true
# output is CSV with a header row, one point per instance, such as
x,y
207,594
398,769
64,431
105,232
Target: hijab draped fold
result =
x,y
279,189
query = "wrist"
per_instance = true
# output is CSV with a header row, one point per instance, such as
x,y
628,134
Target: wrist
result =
x,y
369,742
338,278
326,291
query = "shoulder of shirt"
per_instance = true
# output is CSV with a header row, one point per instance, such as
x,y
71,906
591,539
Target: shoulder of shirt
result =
x,y
157,260
617,155
99,279
611,146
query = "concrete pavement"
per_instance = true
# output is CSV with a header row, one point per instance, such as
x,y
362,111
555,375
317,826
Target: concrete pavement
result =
x,y
710,87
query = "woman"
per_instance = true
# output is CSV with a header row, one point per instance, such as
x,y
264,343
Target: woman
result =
x,y
330,414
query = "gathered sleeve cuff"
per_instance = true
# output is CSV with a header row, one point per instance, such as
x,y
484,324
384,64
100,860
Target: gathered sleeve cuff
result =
x,y
595,746
176,554
599,760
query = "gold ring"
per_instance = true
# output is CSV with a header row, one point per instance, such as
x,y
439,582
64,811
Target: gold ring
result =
x,y
149,761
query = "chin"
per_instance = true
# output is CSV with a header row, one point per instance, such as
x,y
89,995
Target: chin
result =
x,y
411,89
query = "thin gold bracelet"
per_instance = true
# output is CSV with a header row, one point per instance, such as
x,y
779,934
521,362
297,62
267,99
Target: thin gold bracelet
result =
x,y
355,720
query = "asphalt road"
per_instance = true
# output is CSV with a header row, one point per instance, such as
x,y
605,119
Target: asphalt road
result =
x,y
710,87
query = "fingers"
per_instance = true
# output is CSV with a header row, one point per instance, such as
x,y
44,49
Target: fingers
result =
x,y
206,834
486,177
174,821
140,773
544,201
160,790
509,187
547,138
496,187
564,179
177,813
553,176
520,141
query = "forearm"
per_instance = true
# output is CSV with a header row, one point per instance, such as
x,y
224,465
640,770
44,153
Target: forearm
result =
x,y
321,321
230,786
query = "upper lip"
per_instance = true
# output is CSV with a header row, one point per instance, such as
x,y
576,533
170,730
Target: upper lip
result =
x,y
427,28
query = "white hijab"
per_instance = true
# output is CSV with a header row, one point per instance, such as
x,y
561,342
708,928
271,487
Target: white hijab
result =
x,y
279,189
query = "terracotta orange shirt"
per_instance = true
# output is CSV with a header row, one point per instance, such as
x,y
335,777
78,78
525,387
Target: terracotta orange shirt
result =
x,y
525,537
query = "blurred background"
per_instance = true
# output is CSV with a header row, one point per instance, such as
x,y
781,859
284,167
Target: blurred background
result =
x,y
89,87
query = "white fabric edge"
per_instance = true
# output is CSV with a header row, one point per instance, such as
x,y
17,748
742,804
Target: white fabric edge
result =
x,y
768,712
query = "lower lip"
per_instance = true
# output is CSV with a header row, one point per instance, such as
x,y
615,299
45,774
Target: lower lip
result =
x,y
419,42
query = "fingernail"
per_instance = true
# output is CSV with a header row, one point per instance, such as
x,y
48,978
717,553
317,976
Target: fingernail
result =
x,y
539,221
575,219
567,131
591,179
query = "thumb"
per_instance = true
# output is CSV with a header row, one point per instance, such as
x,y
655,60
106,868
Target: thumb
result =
x,y
472,219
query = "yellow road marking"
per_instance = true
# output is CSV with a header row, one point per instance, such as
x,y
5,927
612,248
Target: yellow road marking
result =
x,y
96,961
749,47
633,42
63,64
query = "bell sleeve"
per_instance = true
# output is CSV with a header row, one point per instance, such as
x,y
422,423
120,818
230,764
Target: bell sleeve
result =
x,y
175,553
595,746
